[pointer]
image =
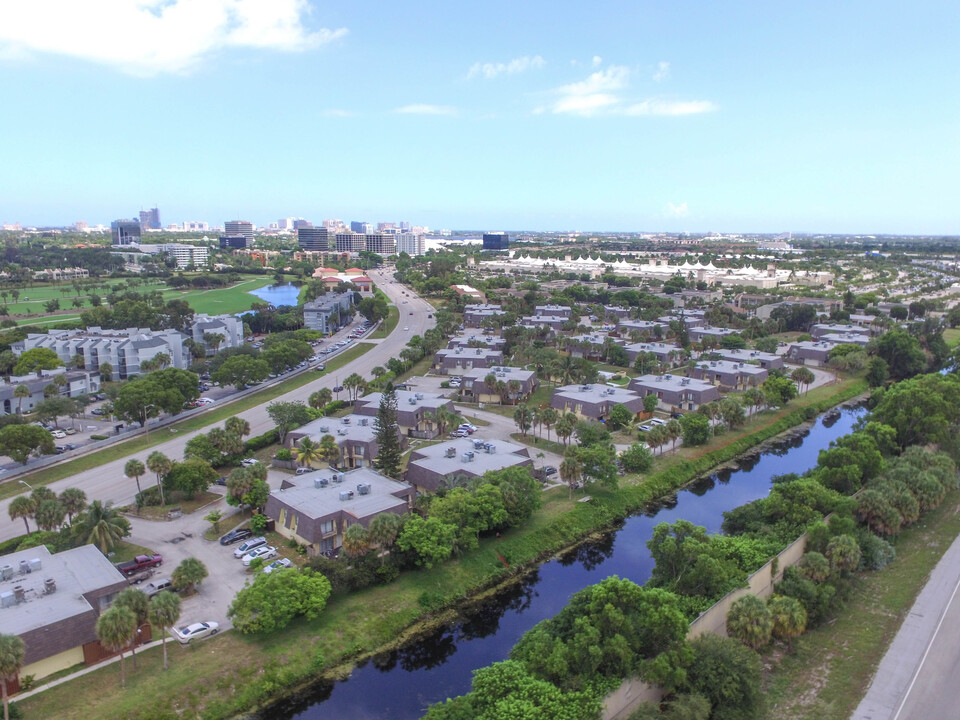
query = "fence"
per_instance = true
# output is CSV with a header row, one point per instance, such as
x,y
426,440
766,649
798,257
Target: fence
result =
x,y
624,700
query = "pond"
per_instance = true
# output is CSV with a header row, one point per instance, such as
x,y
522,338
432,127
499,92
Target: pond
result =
x,y
278,295
402,684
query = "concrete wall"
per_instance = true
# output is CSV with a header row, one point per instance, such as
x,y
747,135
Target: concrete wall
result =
x,y
54,663
632,692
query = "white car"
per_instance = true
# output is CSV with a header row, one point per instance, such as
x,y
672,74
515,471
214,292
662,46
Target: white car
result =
x,y
278,565
196,631
405,327
59,434
468,426
264,553
657,421
249,545
249,461
205,401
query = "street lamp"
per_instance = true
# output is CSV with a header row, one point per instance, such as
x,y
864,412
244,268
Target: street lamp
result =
x,y
24,482
146,416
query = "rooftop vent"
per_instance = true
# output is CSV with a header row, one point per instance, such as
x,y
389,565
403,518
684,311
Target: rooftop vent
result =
x,y
341,431
467,457
451,452
345,495
324,428
345,421
412,401
319,483
363,421
364,488
491,448
24,567
418,396
7,599
6,572
337,477
19,594
49,586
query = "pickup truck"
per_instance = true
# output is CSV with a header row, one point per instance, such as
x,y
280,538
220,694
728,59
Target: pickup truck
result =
x,y
140,562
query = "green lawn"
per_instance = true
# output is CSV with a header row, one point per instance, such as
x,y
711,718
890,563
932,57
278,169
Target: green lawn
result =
x,y
388,325
951,336
233,299
37,295
142,443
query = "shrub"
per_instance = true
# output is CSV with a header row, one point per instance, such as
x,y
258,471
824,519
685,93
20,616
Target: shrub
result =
x,y
258,523
284,454
98,437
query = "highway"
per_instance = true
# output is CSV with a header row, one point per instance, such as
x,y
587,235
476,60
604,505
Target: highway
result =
x,y
107,482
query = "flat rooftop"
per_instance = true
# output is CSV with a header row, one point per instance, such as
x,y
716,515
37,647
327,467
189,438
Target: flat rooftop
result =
x,y
729,366
596,393
420,399
745,355
349,427
434,457
76,572
673,382
302,494
508,373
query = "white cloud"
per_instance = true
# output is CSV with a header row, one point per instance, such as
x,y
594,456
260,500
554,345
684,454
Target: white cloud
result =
x,y
517,65
597,61
421,109
337,112
676,211
662,72
148,37
602,93
655,106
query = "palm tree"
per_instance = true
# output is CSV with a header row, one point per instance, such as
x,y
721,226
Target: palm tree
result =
x,y
21,507
237,426
161,465
802,376
20,392
116,629
789,618
328,450
565,428
49,515
548,416
571,471
513,389
189,574
656,437
164,613
307,451
320,399
12,651
356,540
522,417
102,526
136,602
384,529
74,501
226,442
134,468
749,620
674,431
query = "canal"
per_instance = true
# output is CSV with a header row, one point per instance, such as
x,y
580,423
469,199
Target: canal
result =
x,y
402,684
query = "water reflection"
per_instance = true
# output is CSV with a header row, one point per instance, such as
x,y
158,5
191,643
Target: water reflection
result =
x,y
401,685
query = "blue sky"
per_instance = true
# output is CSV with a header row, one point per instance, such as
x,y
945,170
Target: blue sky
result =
x,y
749,116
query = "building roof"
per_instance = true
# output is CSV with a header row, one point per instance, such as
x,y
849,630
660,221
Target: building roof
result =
x,y
671,382
729,366
76,572
427,401
350,427
738,355
596,393
434,457
302,494
504,373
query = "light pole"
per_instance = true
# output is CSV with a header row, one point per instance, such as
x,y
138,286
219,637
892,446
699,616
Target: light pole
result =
x,y
146,415
29,486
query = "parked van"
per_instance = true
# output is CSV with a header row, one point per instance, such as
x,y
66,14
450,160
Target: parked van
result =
x,y
249,545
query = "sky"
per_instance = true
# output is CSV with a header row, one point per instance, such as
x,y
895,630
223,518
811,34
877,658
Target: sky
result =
x,y
669,116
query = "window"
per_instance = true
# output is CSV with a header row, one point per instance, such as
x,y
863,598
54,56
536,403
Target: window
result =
x,y
293,522
282,520
326,527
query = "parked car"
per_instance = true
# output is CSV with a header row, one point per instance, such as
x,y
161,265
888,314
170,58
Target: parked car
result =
x,y
71,446
278,565
59,434
657,421
140,562
70,431
236,535
222,480
247,462
405,327
264,553
155,587
321,367
305,470
646,428
196,631
549,470
469,426
97,411
338,388
249,545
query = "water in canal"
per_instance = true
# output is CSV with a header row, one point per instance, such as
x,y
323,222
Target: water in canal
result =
x,y
402,684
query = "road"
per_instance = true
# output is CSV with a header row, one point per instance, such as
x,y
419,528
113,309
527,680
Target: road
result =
x,y
916,679
107,482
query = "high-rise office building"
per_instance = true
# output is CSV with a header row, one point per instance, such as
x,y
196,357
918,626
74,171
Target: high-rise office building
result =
x,y
410,243
285,223
235,242
239,227
496,241
356,226
351,242
125,232
313,238
301,223
150,219
386,226
381,243
405,226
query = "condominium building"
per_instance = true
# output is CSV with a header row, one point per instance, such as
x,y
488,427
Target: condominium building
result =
x,y
381,243
238,227
351,242
230,327
323,314
184,255
410,243
150,219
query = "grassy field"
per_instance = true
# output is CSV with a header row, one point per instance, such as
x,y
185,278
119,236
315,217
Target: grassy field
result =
x,y
951,336
388,324
831,667
32,299
233,299
142,443
203,682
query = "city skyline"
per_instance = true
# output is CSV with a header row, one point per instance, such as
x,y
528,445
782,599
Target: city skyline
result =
x,y
625,117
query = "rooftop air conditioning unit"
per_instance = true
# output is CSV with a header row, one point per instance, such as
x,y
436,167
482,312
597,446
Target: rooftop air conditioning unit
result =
x,y
24,567
363,488
19,594
337,477
7,599
458,350
363,421
319,483
345,495
345,421
341,431
491,448
412,401
451,452
324,428
49,586
419,396
6,572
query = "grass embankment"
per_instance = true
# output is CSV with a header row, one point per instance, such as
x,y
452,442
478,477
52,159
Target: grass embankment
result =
x,y
186,507
831,668
388,325
231,674
951,336
157,437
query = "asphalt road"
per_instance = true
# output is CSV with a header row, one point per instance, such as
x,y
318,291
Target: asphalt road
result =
x,y
107,482
916,679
